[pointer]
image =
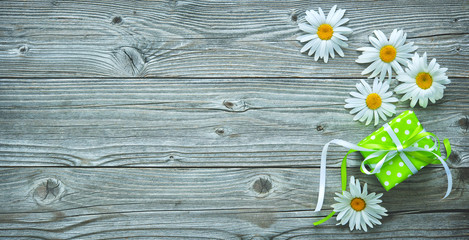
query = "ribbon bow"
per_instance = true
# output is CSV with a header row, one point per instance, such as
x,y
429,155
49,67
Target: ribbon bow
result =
x,y
387,152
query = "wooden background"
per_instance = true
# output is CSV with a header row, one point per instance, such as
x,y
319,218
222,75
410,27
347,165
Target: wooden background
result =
x,y
201,119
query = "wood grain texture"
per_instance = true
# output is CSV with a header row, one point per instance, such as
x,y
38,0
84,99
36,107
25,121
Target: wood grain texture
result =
x,y
209,38
196,122
187,119
222,203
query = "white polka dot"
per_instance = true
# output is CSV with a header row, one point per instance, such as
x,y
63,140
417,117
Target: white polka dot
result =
x,y
421,167
399,174
388,173
427,147
418,124
409,175
411,112
396,130
401,164
428,137
379,171
398,120
383,139
409,121
386,183
416,144
373,137
396,184
406,132
391,162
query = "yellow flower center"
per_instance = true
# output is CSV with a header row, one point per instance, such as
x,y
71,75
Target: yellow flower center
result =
x,y
387,53
373,101
325,31
358,204
424,80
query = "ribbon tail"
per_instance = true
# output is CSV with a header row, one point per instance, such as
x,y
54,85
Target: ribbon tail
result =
x,y
324,219
439,160
448,174
343,173
447,147
445,166
322,171
322,177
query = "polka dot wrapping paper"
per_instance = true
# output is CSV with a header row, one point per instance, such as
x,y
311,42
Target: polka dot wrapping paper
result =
x,y
405,126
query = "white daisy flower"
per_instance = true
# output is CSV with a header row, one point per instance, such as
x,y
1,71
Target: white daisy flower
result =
x,y
358,208
421,81
371,102
385,54
325,35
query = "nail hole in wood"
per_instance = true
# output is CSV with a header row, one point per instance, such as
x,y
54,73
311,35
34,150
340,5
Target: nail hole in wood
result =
x,y
220,131
294,17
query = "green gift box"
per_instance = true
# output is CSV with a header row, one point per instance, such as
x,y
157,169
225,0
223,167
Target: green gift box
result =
x,y
393,153
406,127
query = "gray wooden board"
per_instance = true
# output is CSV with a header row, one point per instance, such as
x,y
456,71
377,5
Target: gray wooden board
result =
x,y
223,203
201,119
210,38
196,122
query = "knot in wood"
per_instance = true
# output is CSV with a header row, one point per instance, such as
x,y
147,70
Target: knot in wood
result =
x,y
319,128
116,20
454,158
129,62
23,49
236,105
464,123
294,16
262,185
48,190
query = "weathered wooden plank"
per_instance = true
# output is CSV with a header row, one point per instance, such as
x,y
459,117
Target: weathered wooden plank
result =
x,y
196,122
209,38
63,203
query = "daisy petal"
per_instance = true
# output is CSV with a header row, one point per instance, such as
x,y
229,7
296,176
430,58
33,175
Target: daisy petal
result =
x,y
341,22
306,37
314,46
331,14
307,28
